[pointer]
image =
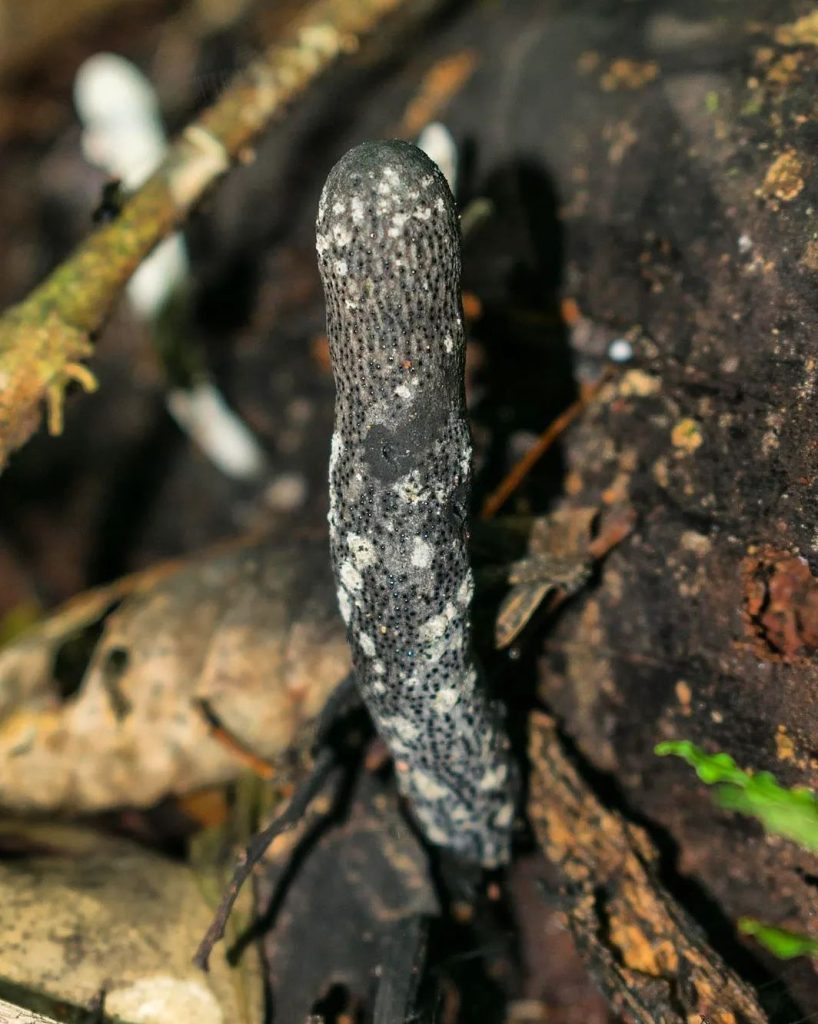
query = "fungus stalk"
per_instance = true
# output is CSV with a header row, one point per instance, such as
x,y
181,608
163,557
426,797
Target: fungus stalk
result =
x,y
400,477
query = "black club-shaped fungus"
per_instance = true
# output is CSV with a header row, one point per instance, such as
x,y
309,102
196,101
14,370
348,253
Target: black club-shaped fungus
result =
x,y
400,473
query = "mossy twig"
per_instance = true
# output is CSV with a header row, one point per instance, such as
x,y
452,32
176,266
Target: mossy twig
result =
x,y
45,338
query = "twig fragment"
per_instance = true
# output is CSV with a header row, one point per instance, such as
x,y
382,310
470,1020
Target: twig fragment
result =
x,y
258,765
11,1014
495,501
258,845
329,736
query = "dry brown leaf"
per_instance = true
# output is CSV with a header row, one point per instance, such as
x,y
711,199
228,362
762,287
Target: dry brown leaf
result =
x,y
86,914
252,630
561,553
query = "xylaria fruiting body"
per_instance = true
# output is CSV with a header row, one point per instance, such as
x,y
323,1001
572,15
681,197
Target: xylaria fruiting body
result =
x,y
400,475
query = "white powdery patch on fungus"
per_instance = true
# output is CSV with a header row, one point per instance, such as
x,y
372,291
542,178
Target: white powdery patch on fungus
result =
x,y
399,490
362,550
344,606
350,577
405,730
433,629
341,235
465,591
367,644
428,786
445,700
422,553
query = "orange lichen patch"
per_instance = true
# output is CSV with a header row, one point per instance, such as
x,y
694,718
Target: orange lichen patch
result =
x,y
764,55
588,62
573,483
625,73
661,472
712,1017
440,83
618,491
638,384
620,136
462,912
686,436
784,179
472,306
802,32
319,350
784,745
780,605
785,70
809,257
570,312
684,695
641,952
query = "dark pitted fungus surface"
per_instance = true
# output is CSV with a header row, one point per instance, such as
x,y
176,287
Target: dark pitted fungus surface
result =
x,y
400,474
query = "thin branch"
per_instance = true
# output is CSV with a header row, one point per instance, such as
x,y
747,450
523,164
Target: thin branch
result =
x,y
44,339
332,740
256,848
520,470
261,767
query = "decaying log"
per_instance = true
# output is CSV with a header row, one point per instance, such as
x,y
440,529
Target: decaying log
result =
x,y
649,957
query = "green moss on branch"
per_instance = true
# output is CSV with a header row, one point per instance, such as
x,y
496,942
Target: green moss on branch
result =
x,y
45,338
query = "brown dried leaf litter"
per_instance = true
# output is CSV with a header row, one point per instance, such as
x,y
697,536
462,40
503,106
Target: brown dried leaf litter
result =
x,y
251,630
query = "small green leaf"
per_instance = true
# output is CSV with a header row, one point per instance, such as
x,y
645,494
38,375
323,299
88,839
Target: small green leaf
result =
x,y
780,942
792,813
17,620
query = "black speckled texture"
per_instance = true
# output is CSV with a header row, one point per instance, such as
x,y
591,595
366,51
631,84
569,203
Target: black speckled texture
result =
x,y
400,472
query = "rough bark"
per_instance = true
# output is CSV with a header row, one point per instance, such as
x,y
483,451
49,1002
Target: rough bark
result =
x,y
646,953
683,156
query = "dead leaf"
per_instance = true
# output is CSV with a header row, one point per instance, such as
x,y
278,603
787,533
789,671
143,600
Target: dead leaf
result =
x,y
252,630
560,558
98,914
